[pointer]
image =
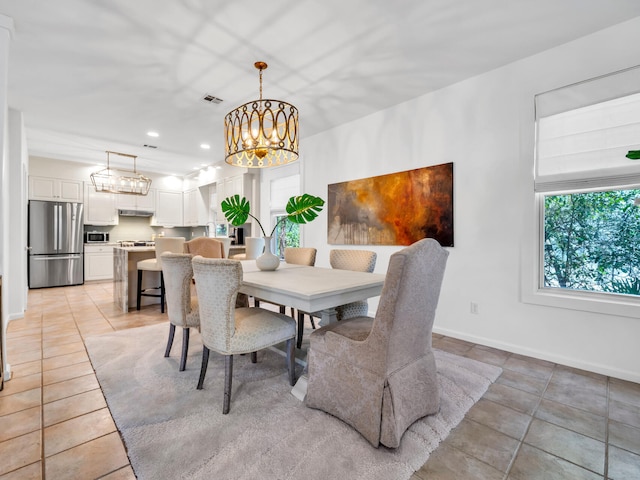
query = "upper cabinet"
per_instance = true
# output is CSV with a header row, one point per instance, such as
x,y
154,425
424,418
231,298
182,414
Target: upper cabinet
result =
x,y
99,207
168,209
196,205
229,186
55,189
137,202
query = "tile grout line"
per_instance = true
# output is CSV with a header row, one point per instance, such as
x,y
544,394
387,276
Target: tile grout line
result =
x,y
42,465
533,412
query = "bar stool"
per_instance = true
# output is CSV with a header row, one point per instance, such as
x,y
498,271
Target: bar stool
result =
x,y
163,244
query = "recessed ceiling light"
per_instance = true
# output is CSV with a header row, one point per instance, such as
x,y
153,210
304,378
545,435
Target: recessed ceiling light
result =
x,y
196,168
218,167
153,134
205,146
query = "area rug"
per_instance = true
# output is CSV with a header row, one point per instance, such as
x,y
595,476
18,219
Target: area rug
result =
x,y
171,430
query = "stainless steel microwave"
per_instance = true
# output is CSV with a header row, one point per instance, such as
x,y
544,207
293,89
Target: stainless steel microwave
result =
x,y
96,237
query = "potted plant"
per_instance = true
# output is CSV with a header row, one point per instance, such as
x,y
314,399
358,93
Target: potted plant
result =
x,y
300,209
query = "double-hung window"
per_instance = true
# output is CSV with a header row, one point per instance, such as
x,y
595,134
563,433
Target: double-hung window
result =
x,y
588,194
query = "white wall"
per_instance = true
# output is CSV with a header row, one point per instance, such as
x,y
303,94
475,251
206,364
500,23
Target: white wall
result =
x,y
18,164
485,125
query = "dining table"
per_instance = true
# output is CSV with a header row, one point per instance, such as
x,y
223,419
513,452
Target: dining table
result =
x,y
309,289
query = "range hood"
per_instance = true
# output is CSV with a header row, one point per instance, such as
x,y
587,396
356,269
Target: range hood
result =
x,y
135,213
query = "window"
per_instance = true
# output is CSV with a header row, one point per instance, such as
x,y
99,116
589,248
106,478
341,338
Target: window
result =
x,y
588,193
592,241
287,234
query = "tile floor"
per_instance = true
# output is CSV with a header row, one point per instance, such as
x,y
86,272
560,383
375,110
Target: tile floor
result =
x,y
538,421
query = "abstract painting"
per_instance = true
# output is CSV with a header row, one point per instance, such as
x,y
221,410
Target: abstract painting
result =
x,y
396,209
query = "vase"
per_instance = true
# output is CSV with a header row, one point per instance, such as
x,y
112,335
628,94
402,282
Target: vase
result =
x,y
267,261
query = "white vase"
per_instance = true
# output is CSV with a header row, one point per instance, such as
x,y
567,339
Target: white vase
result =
x,y
267,261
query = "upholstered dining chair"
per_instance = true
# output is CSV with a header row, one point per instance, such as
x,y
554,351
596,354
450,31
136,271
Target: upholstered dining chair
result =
x,y
358,261
163,244
182,308
379,374
228,330
206,247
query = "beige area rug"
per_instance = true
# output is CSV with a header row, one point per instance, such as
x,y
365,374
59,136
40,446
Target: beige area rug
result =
x,y
171,430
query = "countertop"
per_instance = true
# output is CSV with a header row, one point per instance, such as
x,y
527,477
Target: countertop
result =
x,y
135,249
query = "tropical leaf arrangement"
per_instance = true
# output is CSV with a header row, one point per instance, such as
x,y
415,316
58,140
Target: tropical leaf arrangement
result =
x,y
300,209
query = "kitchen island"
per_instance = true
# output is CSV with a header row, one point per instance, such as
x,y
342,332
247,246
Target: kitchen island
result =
x,y
125,276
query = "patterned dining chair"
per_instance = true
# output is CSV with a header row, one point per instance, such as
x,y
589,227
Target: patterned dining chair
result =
x,y
230,331
182,307
379,374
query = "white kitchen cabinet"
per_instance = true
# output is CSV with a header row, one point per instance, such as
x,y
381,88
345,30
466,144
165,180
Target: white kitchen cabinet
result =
x,y
55,189
196,207
99,207
98,262
168,209
137,202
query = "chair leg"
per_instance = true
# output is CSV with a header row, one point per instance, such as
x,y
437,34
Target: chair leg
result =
x,y
161,293
254,357
256,302
300,329
139,296
291,362
228,373
282,309
172,332
203,368
185,348
313,324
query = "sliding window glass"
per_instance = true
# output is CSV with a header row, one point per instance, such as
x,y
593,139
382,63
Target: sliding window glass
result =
x,y
588,189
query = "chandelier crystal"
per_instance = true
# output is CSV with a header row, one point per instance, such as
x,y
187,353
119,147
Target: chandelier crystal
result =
x,y
128,182
261,133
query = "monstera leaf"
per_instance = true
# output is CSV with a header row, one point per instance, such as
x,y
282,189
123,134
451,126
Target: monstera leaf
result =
x,y
300,209
236,210
304,208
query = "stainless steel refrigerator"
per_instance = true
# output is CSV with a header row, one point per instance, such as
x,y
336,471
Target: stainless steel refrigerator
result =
x,y
55,244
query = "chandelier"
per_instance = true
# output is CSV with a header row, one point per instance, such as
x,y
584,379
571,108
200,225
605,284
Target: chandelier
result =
x,y
129,182
261,133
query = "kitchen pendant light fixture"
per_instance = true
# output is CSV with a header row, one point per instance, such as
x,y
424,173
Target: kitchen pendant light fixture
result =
x,y
128,182
261,133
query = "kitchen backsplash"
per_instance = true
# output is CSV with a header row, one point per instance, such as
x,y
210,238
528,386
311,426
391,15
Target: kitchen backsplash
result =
x,y
139,228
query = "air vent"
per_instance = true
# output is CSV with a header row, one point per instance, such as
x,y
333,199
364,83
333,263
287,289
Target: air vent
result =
x,y
212,99
150,146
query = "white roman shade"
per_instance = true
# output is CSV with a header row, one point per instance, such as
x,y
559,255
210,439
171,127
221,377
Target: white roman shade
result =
x,y
584,131
282,189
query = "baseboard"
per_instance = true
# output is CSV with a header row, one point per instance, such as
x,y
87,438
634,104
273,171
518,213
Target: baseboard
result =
x,y
15,316
632,376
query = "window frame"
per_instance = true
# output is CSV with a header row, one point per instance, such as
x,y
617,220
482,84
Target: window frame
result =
x,y
534,291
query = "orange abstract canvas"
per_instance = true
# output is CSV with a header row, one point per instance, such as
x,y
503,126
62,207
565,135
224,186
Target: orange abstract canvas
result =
x,y
396,209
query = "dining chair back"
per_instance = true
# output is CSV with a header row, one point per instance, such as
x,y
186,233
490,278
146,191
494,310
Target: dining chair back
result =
x,y
358,261
182,307
206,247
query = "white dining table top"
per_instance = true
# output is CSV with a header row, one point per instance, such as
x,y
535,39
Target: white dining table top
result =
x,y
309,289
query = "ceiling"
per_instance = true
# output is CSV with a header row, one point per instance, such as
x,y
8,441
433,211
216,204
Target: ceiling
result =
x,y
97,75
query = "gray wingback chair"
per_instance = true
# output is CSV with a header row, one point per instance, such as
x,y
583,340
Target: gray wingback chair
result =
x,y
379,374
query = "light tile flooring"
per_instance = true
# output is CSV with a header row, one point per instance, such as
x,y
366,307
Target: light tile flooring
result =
x,y
538,421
